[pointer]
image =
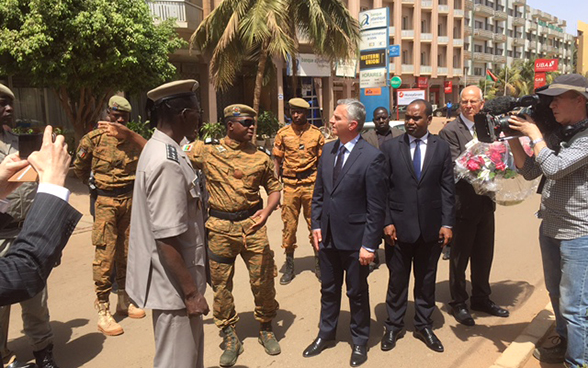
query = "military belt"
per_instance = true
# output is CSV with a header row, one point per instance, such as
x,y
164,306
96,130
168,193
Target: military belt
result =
x,y
302,175
235,216
220,259
116,191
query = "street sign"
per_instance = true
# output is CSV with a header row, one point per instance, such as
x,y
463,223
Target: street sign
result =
x,y
394,50
395,81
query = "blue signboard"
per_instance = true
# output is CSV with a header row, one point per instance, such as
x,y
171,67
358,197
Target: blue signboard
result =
x,y
394,50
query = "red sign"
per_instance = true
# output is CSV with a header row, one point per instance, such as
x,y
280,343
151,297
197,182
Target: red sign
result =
x,y
540,80
546,65
373,91
422,82
448,86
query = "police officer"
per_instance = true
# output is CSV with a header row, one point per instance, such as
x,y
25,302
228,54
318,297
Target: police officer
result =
x,y
166,269
113,163
35,313
235,169
297,149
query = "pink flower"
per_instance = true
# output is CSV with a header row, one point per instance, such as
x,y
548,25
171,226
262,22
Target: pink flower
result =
x,y
475,163
497,147
495,156
500,166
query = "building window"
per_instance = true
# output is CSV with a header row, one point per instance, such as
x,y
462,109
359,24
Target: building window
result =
x,y
478,48
405,23
477,71
405,59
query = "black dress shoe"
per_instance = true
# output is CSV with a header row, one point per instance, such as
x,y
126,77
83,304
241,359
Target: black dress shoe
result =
x,y
44,358
358,355
318,345
461,314
389,339
491,308
427,336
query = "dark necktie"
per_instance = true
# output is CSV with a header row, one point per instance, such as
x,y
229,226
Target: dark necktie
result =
x,y
416,159
338,164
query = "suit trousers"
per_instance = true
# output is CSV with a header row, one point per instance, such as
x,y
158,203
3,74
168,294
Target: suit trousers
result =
x,y
473,242
400,258
334,263
179,339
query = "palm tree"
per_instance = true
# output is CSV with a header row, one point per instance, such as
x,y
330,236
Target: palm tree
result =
x,y
239,31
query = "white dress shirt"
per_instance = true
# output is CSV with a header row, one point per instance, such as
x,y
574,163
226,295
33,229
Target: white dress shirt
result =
x,y
469,124
348,148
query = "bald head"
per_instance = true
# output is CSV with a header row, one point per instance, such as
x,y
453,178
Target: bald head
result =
x,y
472,101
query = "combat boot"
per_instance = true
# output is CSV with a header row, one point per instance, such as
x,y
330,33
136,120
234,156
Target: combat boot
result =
x,y
268,339
106,324
317,266
44,358
126,308
288,269
232,346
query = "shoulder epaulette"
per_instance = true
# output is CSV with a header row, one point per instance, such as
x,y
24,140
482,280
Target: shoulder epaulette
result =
x,y
95,133
312,126
211,141
264,150
283,128
172,153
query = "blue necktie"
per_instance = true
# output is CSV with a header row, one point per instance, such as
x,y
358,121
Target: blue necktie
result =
x,y
338,164
416,159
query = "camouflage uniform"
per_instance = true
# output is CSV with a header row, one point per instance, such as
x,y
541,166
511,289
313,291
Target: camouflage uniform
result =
x,y
234,172
113,163
299,148
35,313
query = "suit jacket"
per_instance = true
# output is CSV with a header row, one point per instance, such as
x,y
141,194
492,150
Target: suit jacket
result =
x,y
372,137
25,267
457,134
350,212
419,207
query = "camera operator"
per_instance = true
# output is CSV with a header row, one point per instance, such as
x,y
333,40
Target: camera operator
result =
x,y
564,212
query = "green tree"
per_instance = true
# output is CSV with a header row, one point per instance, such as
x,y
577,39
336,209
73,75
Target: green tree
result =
x,y
85,50
255,31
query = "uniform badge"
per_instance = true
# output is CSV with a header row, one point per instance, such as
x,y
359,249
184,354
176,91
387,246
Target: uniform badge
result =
x,y
301,147
82,153
187,147
238,174
221,149
172,153
236,111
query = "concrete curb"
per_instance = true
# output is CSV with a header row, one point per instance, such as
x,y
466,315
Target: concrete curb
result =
x,y
517,354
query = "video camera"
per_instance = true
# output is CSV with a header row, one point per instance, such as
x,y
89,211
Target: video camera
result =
x,y
493,119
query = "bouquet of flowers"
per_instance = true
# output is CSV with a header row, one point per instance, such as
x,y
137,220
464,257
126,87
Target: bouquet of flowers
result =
x,y
490,168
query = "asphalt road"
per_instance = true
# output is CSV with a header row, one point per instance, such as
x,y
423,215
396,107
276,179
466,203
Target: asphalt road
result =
x,y
516,280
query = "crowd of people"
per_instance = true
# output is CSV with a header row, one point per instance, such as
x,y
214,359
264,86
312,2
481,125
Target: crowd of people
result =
x,y
173,213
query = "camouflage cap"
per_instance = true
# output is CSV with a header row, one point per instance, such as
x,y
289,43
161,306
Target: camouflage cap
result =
x,y
298,103
173,90
118,103
238,111
6,91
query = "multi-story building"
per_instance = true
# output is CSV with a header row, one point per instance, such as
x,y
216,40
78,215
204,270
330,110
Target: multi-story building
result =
x,y
497,32
582,45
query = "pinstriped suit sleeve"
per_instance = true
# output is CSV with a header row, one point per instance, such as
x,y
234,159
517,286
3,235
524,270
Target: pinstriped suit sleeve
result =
x,y
25,267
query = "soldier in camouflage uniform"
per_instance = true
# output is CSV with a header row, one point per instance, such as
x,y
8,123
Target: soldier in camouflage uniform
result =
x,y
35,313
235,169
297,149
113,163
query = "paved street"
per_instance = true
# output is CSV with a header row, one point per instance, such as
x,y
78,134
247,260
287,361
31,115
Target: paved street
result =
x,y
516,279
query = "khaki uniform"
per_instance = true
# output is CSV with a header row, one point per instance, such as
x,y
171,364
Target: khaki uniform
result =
x,y
35,313
234,172
299,148
113,163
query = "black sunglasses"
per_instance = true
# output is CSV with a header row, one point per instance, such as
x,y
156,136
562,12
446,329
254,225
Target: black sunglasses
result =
x,y
246,122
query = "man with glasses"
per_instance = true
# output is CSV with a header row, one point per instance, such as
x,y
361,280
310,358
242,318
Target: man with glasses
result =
x,y
297,149
235,169
473,239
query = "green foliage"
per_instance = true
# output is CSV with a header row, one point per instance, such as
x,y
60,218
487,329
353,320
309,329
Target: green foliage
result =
x,y
267,125
22,130
212,130
141,127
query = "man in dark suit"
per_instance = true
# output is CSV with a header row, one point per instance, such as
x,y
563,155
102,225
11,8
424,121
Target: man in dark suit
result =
x,y
474,227
421,212
25,267
348,210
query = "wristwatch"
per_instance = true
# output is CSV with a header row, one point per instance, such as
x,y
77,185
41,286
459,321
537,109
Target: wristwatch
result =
x,y
533,143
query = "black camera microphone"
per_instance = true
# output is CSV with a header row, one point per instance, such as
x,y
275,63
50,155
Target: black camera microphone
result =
x,y
500,105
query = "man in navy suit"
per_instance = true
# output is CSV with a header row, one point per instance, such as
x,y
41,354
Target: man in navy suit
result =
x,y
421,212
348,212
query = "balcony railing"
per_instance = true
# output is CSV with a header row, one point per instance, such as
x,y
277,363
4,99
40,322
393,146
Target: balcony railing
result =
x,y
426,69
443,9
533,26
443,40
407,68
391,31
518,21
499,38
500,15
501,59
543,30
458,13
484,34
457,72
442,70
518,42
467,55
407,33
480,56
426,37
519,2
427,4
187,15
469,4
458,42
483,10
535,13
408,2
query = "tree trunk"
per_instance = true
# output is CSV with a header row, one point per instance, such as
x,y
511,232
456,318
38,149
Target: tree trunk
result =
x,y
258,84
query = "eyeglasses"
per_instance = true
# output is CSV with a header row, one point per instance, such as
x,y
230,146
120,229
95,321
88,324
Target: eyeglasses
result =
x,y
245,122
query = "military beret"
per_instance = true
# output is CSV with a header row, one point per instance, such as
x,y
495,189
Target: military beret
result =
x,y
6,91
238,111
119,103
173,90
298,103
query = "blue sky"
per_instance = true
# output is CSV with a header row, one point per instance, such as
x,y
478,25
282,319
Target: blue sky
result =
x,y
570,10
